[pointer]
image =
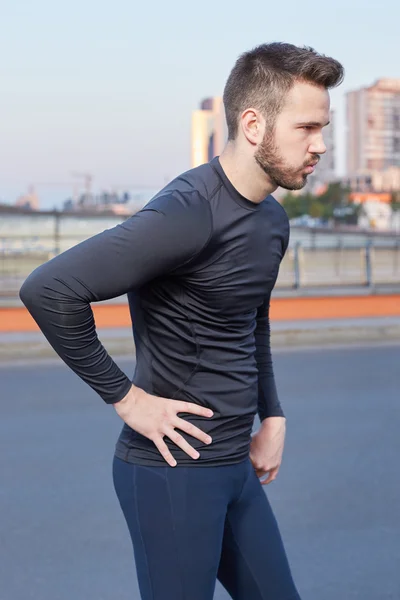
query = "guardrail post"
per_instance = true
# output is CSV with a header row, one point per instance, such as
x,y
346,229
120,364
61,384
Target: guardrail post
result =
x,y
368,264
338,257
396,257
296,265
56,232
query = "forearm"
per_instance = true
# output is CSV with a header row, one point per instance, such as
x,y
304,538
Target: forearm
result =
x,y
67,322
268,399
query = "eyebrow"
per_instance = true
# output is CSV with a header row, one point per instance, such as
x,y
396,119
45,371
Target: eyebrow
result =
x,y
313,124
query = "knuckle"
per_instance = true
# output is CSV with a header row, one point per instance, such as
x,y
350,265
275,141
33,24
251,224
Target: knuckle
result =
x,y
160,431
166,412
176,437
177,406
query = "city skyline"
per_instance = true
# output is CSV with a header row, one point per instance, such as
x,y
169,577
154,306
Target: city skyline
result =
x,y
102,98
209,135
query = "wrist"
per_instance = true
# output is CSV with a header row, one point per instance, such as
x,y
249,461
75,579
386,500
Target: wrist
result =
x,y
129,399
269,422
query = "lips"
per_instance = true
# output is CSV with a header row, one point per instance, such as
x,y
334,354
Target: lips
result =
x,y
310,168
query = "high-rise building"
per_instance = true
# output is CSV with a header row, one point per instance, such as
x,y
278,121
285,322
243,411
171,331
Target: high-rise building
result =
x,y
373,127
209,131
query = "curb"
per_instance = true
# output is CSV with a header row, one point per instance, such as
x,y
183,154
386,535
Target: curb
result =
x,y
123,345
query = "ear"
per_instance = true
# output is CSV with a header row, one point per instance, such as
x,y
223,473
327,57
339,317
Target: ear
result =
x,y
253,125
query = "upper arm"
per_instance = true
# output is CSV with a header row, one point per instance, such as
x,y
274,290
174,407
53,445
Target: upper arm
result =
x,y
165,234
286,233
263,310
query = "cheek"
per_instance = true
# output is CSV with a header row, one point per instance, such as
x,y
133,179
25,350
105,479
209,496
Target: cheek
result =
x,y
293,147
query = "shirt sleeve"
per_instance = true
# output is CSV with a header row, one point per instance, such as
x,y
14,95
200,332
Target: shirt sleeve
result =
x,y
167,233
268,400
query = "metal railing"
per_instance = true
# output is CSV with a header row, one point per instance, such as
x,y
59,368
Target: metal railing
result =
x,y
316,258
302,267
365,265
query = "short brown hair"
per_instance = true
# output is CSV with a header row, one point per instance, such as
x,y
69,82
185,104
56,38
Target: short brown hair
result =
x,y
262,77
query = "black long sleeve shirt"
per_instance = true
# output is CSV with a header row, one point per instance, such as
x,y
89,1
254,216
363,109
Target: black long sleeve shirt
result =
x,y
198,264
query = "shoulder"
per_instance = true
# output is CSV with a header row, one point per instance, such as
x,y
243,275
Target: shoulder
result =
x,y
277,209
183,216
201,180
187,208
280,218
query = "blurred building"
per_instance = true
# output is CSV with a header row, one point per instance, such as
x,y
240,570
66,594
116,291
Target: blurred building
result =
x,y
376,211
365,197
29,201
209,131
373,128
124,203
387,180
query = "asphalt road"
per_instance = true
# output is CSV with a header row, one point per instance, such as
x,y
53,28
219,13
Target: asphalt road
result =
x,y
337,498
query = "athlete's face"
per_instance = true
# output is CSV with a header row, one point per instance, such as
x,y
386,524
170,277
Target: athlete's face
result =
x,y
287,154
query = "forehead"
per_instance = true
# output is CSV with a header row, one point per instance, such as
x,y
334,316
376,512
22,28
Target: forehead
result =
x,y
306,101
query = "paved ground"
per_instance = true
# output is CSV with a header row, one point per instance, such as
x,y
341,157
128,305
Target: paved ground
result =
x,y
337,498
276,326
32,345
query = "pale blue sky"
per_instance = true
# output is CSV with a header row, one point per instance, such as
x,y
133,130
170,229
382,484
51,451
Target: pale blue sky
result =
x,y
108,87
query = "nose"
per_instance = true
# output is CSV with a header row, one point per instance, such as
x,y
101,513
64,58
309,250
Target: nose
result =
x,y
317,145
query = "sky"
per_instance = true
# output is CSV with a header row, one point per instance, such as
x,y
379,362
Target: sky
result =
x,y
109,87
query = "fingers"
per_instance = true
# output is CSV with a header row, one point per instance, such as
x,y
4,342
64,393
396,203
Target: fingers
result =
x,y
192,430
168,429
180,441
190,407
272,475
164,451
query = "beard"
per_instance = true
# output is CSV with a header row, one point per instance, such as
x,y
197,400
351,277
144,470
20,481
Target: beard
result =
x,y
278,170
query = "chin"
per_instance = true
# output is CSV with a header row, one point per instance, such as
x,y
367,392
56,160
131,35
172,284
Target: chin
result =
x,y
293,185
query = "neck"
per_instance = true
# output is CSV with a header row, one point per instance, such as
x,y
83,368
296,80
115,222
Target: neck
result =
x,y
245,174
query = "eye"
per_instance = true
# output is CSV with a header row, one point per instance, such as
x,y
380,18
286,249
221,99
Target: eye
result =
x,y
307,127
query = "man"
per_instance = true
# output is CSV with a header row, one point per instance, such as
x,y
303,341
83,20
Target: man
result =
x,y
199,263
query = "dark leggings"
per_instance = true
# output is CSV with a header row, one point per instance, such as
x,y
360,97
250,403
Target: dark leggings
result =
x,y
192,525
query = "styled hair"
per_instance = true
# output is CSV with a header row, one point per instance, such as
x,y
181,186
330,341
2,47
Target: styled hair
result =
x,y
262,77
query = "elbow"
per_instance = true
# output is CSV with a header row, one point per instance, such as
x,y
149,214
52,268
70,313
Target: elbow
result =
x,y
29,292
25,292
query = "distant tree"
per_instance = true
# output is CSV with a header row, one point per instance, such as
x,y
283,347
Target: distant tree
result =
x,y
316,210
395,202
291,204
335,194
323,206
